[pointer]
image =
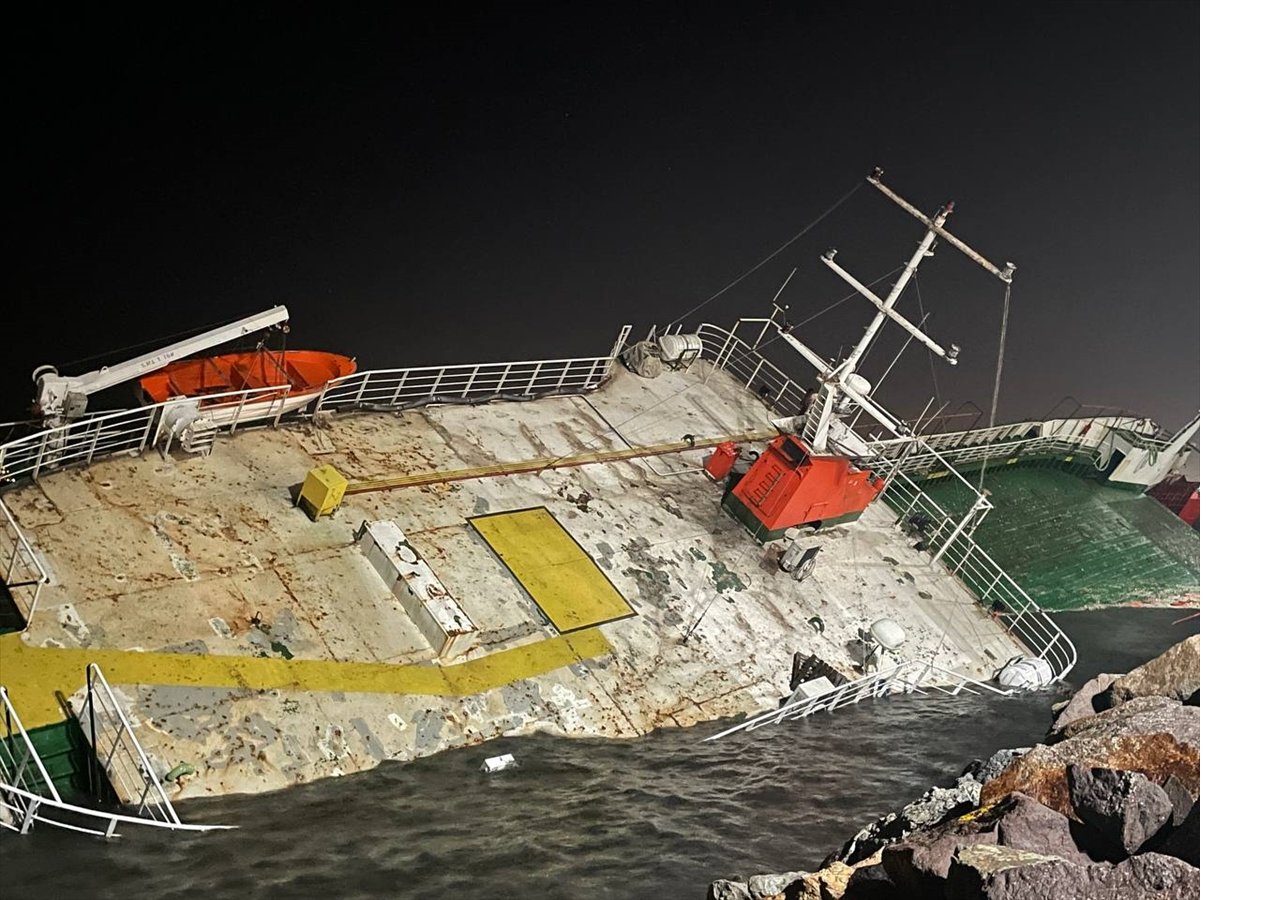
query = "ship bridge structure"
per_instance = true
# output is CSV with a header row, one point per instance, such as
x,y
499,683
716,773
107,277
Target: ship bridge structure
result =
x,y
522,546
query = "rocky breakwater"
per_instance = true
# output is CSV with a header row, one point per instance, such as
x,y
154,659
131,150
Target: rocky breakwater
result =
x,y
1107,807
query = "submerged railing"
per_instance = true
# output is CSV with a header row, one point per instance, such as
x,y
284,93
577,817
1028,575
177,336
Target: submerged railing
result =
x,y
24,575
906,677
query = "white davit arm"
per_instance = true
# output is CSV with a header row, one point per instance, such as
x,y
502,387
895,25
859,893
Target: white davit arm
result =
x,y
54,391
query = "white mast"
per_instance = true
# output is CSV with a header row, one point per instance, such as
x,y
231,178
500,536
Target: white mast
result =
x,y
842,380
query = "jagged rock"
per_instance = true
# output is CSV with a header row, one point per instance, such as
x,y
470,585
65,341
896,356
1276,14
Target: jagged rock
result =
x,y
919,864
871,883
1027,824
938,803
980,871
982,772
1042,772
724,889
934,805
1124,807
1084,702
1174,674
1181,799
1183,840
1142,715
829,883
1000,873
760,887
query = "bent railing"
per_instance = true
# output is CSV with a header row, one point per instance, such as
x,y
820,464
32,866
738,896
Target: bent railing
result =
x,y
24,575
100,823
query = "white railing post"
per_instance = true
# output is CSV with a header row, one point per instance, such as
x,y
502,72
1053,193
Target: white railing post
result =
x,y
235,418
533,379
284,401
475,370
395,397
364,382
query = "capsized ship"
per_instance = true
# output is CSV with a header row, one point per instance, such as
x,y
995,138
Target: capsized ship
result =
x,y
423,558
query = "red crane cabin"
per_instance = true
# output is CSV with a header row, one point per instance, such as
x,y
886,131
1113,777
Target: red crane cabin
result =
x,y
789,486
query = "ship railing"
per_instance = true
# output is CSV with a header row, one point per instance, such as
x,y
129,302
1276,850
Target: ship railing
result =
x,y
61,814
912,676
990,585
94,437
22,772
116,746
727,351
1092,435
24,574
927,463
393,389
82,441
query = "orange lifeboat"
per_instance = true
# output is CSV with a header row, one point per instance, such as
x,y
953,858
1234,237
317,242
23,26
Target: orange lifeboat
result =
x,y
304,372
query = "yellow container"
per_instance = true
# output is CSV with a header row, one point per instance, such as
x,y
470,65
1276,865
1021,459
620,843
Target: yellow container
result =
x,y
322,491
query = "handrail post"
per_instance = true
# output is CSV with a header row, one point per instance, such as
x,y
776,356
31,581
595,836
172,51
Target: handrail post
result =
x,y
284,401
395,397
94,787
533,379
364,383
235,418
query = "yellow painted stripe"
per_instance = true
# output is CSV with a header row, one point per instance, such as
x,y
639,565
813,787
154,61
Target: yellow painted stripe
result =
x,y
541,464
566,584
33,674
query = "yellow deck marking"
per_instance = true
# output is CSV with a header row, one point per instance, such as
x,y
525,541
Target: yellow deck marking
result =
x,y
33,674
549,462
563,580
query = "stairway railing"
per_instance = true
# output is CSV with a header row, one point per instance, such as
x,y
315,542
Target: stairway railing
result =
x,y
24,779
116,746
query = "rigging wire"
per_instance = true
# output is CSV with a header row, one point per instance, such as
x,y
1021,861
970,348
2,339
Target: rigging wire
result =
x,y
795,237
995,391
933,370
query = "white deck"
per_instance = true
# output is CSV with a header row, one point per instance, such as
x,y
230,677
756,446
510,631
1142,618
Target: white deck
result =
x,y
189,553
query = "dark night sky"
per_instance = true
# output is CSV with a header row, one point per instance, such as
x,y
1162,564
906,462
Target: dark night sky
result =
x,y
517,184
